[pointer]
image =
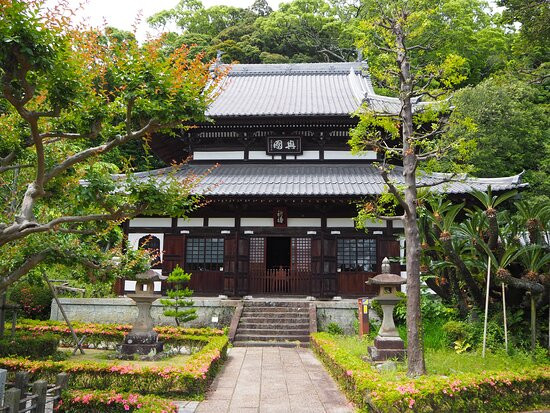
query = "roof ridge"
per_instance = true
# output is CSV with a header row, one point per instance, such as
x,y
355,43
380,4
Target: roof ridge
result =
x,y
278,69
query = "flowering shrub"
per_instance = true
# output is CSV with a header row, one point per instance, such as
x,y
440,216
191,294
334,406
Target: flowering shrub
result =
x,y
465,392
191,378
89,401
35,299
109,335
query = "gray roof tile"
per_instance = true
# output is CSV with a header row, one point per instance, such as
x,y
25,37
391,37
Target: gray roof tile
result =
x,y
301,89
317,180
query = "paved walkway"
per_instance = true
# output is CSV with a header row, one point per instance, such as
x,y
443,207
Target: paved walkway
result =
x,y
273,380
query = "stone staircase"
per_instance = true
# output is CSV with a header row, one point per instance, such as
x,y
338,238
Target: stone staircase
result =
x,y
273,323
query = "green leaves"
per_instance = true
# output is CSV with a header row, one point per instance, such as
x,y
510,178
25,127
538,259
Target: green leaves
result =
x,y
177,305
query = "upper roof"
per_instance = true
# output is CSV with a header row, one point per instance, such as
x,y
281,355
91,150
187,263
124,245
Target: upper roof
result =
x,y
297,89
249,179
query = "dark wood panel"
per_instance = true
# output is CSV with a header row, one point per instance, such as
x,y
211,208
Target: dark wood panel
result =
x,y
389,248
207,282
354,284
174,252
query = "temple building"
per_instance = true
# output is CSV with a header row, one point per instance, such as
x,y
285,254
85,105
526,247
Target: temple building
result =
x,y
283,194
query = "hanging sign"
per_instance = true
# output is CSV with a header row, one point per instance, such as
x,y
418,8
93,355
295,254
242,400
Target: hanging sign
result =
x,y
280,217
284,145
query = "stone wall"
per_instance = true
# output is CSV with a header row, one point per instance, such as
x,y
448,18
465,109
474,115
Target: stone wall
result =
x,y
123,311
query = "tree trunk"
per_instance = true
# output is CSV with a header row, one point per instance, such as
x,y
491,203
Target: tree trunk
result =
x,y
533,325
415,350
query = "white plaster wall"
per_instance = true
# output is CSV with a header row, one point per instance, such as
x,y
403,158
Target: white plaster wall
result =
x,y
207,156
398,224
304,222
370,223
221,222
133,240
190,222
340,223
257,222
348,155
257,155
151,222
308,155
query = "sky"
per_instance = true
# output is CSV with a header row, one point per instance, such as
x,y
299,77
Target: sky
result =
x,y
122,13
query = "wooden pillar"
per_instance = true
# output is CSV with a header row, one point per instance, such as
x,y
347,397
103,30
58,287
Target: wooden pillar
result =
x,y
40,388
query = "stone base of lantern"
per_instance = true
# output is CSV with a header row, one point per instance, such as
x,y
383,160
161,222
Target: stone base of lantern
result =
x,y
386,348
143,344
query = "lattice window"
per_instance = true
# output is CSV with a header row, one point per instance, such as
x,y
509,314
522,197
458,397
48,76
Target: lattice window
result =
x,y
257,250
357,254
301,254
204,254
152,245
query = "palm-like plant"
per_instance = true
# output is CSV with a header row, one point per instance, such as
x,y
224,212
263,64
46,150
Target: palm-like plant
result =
x,y
490,203
536,217
535,259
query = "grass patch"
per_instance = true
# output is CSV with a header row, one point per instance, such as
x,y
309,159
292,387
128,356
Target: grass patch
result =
x,y
98,356
188,379
455,383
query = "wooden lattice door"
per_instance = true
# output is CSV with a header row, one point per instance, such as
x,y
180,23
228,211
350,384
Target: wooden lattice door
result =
x,y
300,266
257,269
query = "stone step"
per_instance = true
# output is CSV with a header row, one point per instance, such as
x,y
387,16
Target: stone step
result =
x,y
273,325
275,313
270,337
289,344
274,320
275,310
248,304
271,331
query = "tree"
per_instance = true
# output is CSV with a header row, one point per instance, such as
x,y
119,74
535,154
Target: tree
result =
x,y
520,256
177,304
402,42
512,130
68,98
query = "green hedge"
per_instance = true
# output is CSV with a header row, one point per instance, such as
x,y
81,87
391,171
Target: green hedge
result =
x,y
79,401
465,392
188,380
109,335
33,346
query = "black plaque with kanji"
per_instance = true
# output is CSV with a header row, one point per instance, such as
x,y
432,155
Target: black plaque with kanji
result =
x,y
284,145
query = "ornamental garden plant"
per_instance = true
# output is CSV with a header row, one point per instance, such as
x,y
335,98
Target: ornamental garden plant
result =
x,y
182,377
458,378
453,383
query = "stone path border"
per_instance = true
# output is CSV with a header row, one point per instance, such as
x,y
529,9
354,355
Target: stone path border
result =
x,y
273,380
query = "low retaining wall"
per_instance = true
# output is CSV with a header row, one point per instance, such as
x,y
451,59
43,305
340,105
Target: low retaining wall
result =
x,y
212,312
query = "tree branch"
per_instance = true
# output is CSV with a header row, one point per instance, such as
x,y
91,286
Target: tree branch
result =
x,y
393,189
28,265
87,153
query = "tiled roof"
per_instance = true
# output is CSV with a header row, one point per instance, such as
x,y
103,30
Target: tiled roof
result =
x,y
318,180
300,89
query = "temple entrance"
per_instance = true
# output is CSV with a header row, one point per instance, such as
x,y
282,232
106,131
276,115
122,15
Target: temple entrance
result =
x,y
280,265
277,253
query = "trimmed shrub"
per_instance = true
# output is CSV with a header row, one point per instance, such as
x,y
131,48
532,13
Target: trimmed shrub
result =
x,y
35,299
484,392
87,401
33,346
190,379
110,335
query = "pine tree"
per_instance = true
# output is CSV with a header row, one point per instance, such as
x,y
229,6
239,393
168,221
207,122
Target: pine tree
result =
x,y
177,304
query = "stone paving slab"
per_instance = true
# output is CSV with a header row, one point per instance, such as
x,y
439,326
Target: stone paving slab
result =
x,y
273,380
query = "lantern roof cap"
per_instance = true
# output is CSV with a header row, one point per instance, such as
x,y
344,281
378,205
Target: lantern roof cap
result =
x,y
387,279
149,275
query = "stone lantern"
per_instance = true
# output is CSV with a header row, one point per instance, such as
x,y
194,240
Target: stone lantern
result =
x,y
387,344
143,340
